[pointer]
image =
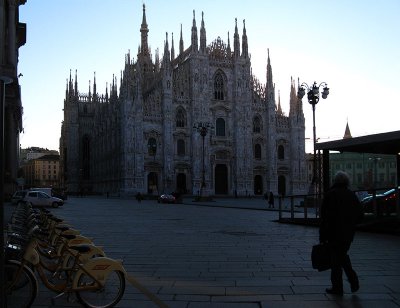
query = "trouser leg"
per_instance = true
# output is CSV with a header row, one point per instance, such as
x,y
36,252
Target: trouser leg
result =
x,y
348,269
338,256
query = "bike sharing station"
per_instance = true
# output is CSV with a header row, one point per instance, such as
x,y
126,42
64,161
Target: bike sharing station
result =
x,y
68,263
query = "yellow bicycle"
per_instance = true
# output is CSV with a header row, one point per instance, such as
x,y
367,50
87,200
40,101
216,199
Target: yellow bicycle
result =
x,y
99,282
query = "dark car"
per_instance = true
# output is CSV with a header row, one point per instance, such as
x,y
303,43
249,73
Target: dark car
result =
x,y
166,198
17,196
386,202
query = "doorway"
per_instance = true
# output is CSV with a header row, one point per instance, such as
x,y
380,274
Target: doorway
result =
x,y
181,183
152,183
221,179
258,185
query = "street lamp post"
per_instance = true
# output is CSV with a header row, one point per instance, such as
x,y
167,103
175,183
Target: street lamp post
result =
x,y
313,94
202,128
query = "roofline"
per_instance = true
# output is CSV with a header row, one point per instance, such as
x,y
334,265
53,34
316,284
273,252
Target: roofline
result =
x,y
369,142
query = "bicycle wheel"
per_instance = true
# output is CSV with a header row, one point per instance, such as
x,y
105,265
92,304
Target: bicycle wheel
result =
x,y
107,296
21,291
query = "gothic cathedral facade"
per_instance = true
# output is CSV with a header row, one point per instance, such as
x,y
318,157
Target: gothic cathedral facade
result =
x,y
195,122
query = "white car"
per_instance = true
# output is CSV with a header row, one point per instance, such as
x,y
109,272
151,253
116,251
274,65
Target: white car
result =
x,y
39,198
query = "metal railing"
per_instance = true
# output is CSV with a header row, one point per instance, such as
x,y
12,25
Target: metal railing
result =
x,y
307,207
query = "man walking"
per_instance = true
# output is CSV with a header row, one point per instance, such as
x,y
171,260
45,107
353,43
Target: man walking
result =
x,y
340,212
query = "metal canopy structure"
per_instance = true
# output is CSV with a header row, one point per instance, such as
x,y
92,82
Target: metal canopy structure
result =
x,y
384,143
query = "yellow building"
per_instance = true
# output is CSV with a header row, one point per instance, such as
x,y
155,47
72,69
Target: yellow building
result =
x,y
42,171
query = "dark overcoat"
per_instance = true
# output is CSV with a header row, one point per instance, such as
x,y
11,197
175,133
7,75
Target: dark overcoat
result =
x,y
341,211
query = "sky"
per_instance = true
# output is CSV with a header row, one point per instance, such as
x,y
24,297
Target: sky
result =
x,y
353,46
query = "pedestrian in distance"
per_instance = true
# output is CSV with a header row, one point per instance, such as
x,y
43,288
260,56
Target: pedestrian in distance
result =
x,y
271,202
139,197
266,197
341,211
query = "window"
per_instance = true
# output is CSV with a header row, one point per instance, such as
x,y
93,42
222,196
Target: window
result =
x,y
152,146
281,152
180,118
256,125
220,131
219,87
257,151
181,147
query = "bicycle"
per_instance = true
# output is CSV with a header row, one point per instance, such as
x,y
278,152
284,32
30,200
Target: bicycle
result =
x,y
97,283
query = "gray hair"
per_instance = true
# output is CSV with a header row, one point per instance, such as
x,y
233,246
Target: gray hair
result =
x,y
342,178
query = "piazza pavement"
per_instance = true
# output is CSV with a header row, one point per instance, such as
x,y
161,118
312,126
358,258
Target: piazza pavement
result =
x,y
226,253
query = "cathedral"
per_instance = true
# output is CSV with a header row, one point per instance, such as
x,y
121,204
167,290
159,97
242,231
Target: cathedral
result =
x,y
194,120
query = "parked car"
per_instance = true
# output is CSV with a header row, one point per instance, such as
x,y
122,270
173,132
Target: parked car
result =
x,y
386,202
39,198
166,198
18,195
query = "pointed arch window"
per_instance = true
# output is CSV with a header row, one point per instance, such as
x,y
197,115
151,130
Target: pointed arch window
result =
x,y
220,127
152,146
219,87
180,118
256,125
257,151
281,152
181,147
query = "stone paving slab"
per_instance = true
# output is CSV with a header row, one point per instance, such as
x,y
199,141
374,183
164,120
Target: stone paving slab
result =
x,y
229,253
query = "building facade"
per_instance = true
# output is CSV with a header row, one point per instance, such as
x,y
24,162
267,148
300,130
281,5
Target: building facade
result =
x,y
12,36
42,171
147,136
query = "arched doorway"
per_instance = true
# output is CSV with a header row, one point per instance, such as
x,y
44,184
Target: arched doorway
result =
x,y
152,183
181,183
258,185
281,185
221,179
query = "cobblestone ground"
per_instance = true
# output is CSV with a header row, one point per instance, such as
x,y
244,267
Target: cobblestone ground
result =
x,y
227,254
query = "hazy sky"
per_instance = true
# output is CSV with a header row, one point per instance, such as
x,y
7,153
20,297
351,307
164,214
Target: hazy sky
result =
x,y
353,45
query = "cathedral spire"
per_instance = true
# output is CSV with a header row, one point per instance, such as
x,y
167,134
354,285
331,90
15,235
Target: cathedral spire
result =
x,y
293,98
166,57
172,47
94,85
347,133
181,43
71,85
157,60
245,48
76,82
195,46
144,31
270,83
113,86
236,43
228,48
279,111
202,35
299,101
